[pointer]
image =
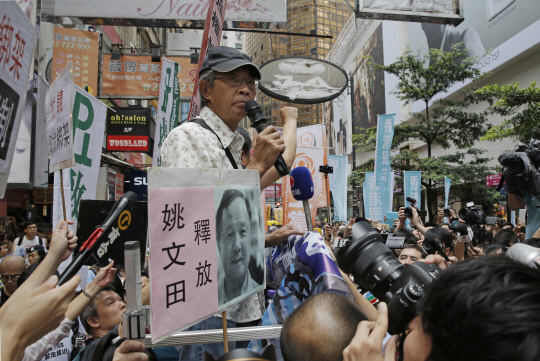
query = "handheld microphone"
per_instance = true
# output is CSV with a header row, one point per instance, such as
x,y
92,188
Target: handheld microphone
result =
x,y
260,123
127,201
302,190
525,254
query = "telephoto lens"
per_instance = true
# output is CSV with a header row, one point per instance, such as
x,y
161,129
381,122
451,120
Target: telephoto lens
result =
x,y
376,269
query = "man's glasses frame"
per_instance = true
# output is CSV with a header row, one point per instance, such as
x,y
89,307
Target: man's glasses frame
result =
x,y
236,81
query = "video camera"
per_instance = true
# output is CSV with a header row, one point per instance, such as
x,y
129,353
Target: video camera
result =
x,y
376,268
412,204
472,215
520,170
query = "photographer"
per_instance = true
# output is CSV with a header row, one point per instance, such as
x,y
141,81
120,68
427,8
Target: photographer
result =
x,y
463,317
415,220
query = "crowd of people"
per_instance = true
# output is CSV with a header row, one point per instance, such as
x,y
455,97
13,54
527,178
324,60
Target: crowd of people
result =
x,y
481,306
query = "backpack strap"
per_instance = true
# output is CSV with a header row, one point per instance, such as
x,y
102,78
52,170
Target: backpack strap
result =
x,y
203,124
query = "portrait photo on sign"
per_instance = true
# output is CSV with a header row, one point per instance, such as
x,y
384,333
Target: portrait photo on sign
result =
x,y
240,243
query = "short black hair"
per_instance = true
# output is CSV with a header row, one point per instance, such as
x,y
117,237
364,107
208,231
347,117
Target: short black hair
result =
x,y
533,242
9,237
442,235
228,197
430,224
483,309
415,247
26,224
26,274
495,247
508,224
320,328
507,236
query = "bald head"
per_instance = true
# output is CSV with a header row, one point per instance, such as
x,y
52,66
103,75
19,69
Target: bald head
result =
x,y
11,266
320,328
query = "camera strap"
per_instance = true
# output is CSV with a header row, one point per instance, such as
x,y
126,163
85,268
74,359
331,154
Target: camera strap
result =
x,y
501,183
203,124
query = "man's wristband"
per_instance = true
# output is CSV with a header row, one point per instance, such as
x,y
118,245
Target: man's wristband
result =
x,y
87,295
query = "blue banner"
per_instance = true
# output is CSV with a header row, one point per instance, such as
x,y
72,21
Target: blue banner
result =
x,y
412,184
338,185
383,147
377,199
447,185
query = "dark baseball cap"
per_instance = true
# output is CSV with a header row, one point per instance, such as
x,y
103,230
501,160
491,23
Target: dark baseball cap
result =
x,y
225,59
35,248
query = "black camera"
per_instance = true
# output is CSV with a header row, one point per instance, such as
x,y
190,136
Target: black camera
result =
x,y
447,213
472,215
520,169
412,204
376,268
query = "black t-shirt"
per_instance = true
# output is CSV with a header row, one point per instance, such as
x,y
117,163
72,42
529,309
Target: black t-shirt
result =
x,y
3,297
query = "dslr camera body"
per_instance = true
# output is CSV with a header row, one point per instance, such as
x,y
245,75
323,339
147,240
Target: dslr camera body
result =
x,y
376,268
520,169
473,215
412,204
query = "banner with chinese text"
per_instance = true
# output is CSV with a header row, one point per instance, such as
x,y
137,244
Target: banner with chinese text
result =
x,y
377,200
81,48
213,26
338,185
80,181
18,41
383,147
137,75
412,187
168,107
58,103
206,228
293,210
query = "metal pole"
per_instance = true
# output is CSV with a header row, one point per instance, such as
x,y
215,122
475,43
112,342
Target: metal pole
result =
x,y
328,199
134,320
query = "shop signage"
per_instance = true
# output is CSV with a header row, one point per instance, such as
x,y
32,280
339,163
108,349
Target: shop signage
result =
x,y
128,129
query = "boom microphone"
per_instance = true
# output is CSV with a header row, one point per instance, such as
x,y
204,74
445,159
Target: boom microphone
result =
x,y
433,243
302,190
525,254
260,123
127,201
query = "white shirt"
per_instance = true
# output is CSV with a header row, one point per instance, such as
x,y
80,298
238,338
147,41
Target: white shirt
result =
x,y
26,243
192,146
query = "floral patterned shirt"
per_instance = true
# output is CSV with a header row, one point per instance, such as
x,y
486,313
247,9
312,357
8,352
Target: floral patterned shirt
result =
x,y
192,146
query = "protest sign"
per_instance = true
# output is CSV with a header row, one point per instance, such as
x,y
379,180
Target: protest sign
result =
x,y
168,107
412,185
206,243
18,39
81,180
338,185
447,185
58,106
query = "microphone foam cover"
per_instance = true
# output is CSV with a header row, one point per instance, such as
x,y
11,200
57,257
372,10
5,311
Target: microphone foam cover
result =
x,y
131,197
301,184
525,254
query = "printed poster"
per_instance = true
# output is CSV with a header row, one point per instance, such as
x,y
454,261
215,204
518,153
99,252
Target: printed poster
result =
x,y
206,243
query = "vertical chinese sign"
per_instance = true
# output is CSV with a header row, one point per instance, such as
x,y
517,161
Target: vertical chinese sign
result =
x,y
58,103
203,238
17,43
80,182
211,37
383,147
377,199
81,48
168,110
412,187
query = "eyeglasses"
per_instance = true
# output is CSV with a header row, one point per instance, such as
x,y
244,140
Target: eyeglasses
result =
x,y
31,227
7,278
236,81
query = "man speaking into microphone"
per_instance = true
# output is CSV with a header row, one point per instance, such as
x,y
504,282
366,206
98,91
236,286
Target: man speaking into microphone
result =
x,y
227,80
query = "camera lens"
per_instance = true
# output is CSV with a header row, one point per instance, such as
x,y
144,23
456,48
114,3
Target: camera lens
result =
x,y
408,212
373,265
447,213
467,215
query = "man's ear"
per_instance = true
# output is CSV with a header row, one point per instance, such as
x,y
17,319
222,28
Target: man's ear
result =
x,y
204,88
93,322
